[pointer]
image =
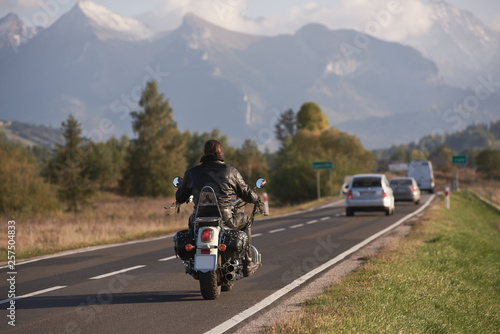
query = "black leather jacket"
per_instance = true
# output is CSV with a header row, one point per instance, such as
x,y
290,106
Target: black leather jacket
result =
x,y
224,179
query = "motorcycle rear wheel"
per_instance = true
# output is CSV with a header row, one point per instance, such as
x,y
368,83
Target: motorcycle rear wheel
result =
x,y
209,285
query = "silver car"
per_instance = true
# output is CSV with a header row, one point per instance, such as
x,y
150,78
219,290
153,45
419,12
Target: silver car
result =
x,y
405,189
369,192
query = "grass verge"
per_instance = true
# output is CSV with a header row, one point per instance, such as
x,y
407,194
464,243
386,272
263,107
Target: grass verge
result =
x,y
443,278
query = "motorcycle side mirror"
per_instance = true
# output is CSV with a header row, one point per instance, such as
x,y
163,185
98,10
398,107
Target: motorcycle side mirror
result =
x,y
261,183
177,181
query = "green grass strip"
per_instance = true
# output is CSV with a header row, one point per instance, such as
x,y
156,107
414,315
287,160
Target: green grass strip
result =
x,y
444,278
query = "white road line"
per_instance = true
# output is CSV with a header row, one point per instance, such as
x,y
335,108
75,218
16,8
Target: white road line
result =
x,y
325,218
256,235
117,272
168,258
88,249
312,222
336,203
33,294
296,226
277,230
299,281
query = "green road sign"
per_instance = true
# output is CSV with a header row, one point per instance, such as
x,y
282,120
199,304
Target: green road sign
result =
x,y
459,159
322,165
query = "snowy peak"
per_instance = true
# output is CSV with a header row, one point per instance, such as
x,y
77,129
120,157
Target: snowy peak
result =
x,y
106,24
13,31
458,42
201,33
461,23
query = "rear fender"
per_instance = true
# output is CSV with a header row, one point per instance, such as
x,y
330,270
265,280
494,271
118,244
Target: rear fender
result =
x,y
212,245
206,257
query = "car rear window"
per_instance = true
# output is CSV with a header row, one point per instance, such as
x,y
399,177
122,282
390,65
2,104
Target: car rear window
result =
x,y
401,182
367,182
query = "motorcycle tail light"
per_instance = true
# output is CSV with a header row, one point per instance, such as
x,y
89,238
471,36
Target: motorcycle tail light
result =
x,y
222,247
207,235
188,247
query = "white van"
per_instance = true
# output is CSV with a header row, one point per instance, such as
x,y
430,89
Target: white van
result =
x,y
421,171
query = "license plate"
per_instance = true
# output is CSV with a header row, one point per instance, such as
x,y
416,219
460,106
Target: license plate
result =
x,y
205,262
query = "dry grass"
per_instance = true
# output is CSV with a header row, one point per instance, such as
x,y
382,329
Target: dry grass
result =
x,y
110,219
489,189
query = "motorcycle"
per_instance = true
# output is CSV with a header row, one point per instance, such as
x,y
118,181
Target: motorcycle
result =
x,y
212,252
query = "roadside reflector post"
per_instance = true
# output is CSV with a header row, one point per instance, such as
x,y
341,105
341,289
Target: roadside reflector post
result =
x,y
447,197
266,204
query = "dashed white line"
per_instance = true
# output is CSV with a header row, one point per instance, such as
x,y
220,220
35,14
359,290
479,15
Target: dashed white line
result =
x,y
33,294
325,218
312,222
277,230
256,235
296,226
168,258
117,272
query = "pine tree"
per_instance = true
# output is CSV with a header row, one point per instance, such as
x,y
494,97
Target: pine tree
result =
x,y
286,125
68,167
156,155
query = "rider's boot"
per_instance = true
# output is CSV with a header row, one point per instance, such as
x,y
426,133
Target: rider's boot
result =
x,y
249,265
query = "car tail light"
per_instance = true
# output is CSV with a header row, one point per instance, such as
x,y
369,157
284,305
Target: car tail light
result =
x,y
349,194
207,235
413,189
384,194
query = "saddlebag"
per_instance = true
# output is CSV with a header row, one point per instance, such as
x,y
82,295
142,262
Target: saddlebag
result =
x,y
181,239
236,243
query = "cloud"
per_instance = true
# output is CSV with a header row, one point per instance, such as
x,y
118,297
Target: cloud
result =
x,y
496,23
20,4
225,13
387,19
391,20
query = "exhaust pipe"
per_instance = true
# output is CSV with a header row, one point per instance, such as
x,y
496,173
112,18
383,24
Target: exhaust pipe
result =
x,y
229,276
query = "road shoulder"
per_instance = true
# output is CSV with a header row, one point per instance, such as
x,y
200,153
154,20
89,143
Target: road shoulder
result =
x,y
292,304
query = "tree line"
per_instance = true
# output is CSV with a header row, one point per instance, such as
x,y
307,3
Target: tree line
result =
x,y
70,175
479,142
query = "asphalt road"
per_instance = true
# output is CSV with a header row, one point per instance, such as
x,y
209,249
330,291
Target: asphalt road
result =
x,y
141,287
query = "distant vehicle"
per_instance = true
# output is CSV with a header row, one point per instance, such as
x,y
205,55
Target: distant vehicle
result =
x,y
369,192
421,171
405,189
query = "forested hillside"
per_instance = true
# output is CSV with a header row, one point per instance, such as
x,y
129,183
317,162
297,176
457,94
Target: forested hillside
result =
x,y
439,148
31,134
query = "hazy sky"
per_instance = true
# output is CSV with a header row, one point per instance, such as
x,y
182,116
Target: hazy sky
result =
x,y
263,16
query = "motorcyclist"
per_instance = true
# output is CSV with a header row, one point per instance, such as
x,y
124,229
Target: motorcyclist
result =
x,y
225,180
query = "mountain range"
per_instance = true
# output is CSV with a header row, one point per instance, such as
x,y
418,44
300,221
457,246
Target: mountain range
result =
x,y
94,63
